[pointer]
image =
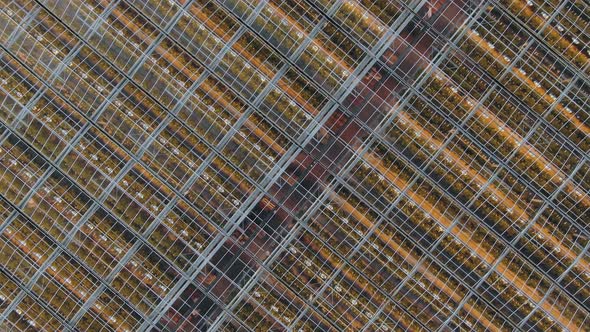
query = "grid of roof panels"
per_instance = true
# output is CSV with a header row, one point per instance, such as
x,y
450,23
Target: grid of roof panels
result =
x,y
306,165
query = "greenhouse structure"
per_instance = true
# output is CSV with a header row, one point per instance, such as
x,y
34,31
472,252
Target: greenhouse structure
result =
x,y
294,165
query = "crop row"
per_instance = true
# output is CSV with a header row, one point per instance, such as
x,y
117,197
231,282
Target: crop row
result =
x,y
474,239
567,47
